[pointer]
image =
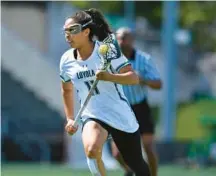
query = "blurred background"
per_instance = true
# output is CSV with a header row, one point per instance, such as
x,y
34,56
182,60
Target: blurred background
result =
x,y
180,36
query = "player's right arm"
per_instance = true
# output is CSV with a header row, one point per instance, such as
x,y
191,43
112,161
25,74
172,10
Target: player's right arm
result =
x,y
67,94
68,100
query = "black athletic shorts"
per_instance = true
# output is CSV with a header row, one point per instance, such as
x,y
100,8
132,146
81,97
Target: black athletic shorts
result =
x,y
146,122
104,125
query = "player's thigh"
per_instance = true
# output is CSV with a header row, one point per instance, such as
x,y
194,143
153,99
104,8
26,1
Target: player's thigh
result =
x,y
129,145
93,136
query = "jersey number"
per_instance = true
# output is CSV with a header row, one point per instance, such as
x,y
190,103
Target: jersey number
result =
x,y
89,85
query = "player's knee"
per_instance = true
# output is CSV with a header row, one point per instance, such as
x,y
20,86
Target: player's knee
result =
x,y
93,151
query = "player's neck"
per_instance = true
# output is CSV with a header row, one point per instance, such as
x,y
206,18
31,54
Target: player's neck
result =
x,y
85,52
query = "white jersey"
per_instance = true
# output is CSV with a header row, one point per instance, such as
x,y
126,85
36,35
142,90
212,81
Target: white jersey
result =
x,y
108,103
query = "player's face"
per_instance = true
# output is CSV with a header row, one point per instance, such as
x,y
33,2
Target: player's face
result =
x,y
74,35
125,41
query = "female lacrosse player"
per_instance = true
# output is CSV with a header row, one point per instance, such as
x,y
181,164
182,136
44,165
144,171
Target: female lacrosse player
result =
x,y
108,111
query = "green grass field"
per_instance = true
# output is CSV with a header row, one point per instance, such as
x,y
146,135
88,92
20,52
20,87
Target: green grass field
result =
x,y
59,170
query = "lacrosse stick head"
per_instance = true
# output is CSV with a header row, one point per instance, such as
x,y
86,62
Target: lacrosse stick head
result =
x,y
103,50
110,49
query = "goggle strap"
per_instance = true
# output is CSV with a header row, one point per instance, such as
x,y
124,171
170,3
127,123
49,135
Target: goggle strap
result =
x,y
87,23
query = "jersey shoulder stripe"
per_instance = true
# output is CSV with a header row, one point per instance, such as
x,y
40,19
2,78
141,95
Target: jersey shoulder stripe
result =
x,y
122,65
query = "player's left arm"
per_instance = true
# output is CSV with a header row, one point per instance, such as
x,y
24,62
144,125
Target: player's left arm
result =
x,y
126,75
122,73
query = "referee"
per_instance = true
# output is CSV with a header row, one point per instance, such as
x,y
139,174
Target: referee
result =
x,y
137,96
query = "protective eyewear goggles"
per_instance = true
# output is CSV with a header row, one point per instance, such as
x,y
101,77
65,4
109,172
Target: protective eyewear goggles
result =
x,y
76,28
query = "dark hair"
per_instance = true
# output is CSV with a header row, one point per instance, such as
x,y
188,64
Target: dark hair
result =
x,y
99,26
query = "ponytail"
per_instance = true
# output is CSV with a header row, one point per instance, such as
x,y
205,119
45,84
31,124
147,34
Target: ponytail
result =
x,y
101,27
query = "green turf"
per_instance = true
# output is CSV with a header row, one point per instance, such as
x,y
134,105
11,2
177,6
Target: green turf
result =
x,y
58,170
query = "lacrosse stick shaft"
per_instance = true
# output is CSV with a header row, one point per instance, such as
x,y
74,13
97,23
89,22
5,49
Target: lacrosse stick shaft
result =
x,y
78,117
